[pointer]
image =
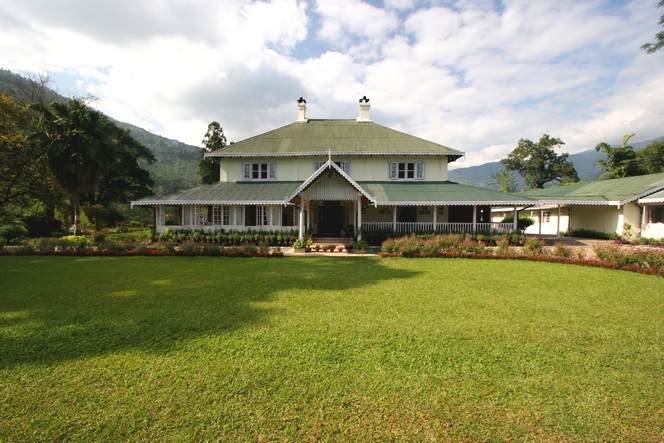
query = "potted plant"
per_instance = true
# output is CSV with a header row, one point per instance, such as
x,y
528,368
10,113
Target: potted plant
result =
x,y
361,247
349,249
340,248
299,246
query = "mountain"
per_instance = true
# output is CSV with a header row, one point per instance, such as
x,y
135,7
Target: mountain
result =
x,y
177,163
583,162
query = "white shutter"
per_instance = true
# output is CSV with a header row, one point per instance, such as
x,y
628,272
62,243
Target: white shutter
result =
x,y
419,170
393,173
186,219
162,215
318,165
345,166
272,171
276,215
246,167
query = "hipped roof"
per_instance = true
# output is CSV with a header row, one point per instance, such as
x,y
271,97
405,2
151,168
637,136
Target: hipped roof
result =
x,y
339,137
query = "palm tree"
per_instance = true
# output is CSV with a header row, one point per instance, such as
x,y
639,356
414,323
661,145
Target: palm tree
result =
x,y
78,144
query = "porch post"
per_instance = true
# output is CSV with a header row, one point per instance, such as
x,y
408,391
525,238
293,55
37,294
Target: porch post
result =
x,y
394,219
435,213
540,222
359,218
516,214
474,219
558,223
301,220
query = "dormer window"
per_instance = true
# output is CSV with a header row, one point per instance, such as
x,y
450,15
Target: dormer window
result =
x,y
406,171
259,171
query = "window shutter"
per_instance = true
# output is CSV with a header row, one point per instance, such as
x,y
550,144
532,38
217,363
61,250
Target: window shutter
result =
x,y
317,165
393,171
276,215
272,171
247,171
345,166
419,170
239,215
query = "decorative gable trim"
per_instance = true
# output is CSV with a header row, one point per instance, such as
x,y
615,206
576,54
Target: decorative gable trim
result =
x,y
331,165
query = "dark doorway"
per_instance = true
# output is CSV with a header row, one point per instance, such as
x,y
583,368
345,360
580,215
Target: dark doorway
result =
x,y
407,214
331,220
250,215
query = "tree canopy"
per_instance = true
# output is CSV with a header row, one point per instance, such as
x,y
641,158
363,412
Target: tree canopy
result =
x,y
659,37
208,168
504,178
539,164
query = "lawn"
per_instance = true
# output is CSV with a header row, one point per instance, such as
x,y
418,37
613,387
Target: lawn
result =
x,y
327,349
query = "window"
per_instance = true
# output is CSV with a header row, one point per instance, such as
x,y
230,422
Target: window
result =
x,y
289,216
216,215
172,215
200,215
658,214
406,171
546,216
259,171
344,165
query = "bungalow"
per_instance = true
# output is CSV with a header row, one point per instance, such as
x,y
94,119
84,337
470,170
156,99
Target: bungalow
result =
x,y
628,207
334,178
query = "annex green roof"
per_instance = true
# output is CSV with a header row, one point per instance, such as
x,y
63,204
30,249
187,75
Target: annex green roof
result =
x,y
226,193
617,191
404,193
340,137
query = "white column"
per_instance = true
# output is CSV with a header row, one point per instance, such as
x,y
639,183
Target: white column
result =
x,y
435,219
558,223
540,222
301,218
514,224
359,217
394,219
474,219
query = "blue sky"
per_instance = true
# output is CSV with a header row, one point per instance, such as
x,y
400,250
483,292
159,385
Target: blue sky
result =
x,y
475,75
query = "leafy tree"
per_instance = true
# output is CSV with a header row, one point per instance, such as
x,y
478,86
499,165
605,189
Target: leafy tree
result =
x,y
23,173
79,145
504,178
123,179
651,158
538,164
659,37
620,162
208,168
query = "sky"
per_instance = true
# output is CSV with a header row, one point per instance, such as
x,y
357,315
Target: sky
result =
x,y
473,75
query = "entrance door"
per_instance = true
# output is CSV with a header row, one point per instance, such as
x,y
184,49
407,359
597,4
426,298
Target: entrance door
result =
x,y
331,220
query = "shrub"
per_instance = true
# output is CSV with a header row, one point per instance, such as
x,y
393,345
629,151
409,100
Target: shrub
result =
x,y
248,249
533,246
563,250
361,246
264,246
13,231
591,233
522,223
42,226
503,243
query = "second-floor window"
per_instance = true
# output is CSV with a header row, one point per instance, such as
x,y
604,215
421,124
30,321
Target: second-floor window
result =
x,y
259,171
406,171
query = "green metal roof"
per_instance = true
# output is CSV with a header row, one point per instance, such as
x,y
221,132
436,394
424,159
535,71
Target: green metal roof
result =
x,y
272,192
620,190
428,193
341,137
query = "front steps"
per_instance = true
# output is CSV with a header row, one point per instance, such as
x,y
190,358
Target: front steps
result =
x,y
336,241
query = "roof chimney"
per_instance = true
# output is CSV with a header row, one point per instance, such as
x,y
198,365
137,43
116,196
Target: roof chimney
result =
x,y
364,110
302,110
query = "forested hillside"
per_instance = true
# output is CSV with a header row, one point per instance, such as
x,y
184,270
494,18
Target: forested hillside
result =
x,y
177,163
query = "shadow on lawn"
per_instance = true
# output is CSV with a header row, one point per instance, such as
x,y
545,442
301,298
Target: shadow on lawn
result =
x,y
60,308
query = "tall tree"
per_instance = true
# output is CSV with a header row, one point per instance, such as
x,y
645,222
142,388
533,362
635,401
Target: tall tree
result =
x,y
620,162
208,168
123,179
538,163
78,144
659,37
504,178
651,158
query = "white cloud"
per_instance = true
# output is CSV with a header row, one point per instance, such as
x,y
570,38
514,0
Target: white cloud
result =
x,y
460,73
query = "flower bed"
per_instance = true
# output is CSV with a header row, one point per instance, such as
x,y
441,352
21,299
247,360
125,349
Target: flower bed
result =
x,y
645,260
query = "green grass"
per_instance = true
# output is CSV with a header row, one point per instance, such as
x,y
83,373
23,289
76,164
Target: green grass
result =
x,y
327,349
